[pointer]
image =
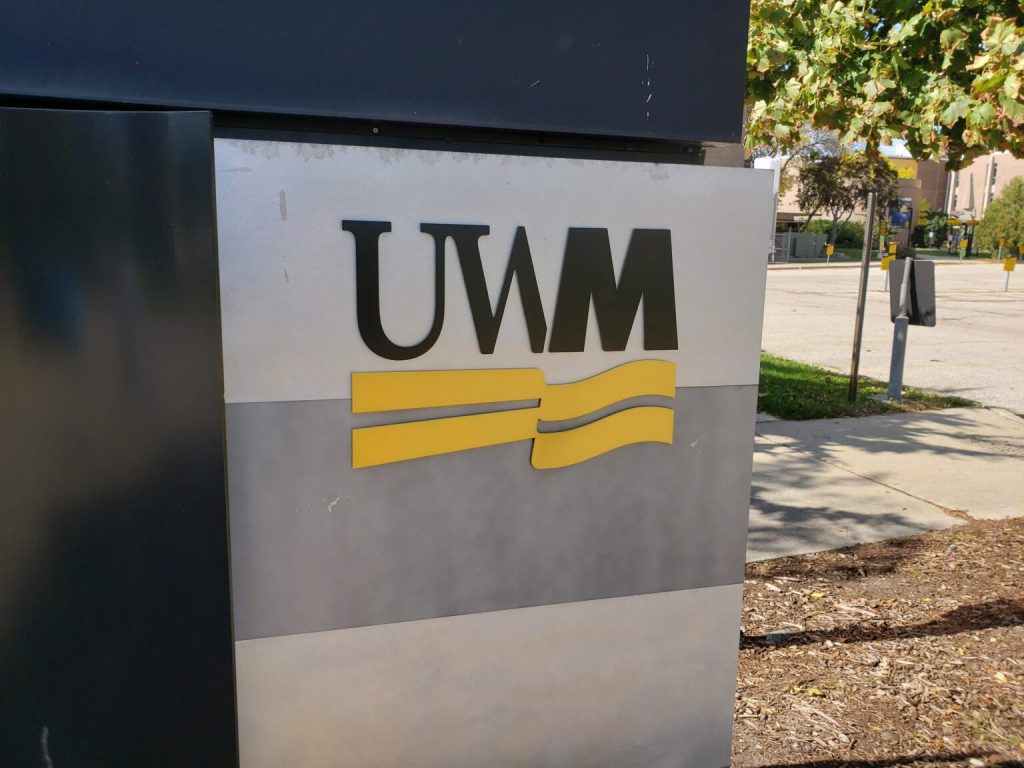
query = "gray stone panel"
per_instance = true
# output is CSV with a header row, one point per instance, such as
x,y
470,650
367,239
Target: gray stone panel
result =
x,y
645,681
319,546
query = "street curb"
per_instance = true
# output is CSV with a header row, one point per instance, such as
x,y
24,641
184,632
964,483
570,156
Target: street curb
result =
x,y
1005,413
854,264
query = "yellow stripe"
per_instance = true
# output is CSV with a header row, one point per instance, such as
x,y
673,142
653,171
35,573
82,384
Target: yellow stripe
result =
x,y
643,377
635,425
392,391
413,440
403,390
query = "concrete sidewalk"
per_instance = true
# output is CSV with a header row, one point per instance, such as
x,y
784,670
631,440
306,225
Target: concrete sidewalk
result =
x,y
831,483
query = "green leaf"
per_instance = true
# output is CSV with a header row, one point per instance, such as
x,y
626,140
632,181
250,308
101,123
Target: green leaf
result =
x,y
955,110
984,84
1013,108
951,38
982,115
1011,86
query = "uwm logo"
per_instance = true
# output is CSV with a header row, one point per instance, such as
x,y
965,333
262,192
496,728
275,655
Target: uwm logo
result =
x,y
559,439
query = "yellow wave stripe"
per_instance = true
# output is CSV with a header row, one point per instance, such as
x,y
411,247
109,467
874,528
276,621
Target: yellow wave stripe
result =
x,y
407,390
648,424
643,377
404,390
372,446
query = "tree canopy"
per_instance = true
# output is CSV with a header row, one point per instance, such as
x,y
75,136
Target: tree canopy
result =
x,y
1004,217
946,75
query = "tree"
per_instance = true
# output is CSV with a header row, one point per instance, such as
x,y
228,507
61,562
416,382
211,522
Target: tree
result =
x,y
931,233
839,184
1004,217
812,145
946,75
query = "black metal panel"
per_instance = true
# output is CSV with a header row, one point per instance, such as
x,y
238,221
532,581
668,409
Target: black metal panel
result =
x,y
659,69
115,636
921,293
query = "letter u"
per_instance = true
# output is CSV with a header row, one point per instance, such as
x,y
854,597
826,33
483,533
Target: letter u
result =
x,y
367,236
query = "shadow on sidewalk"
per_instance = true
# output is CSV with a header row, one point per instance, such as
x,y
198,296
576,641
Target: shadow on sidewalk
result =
x,y
968,618
902,433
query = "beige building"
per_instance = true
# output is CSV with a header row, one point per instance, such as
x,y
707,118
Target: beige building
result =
x,y
925,184
971,189
922,183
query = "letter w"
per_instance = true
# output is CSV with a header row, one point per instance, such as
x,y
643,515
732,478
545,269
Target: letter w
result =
x,y
520,265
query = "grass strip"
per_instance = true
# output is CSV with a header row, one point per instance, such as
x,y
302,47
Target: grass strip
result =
x,y
797,391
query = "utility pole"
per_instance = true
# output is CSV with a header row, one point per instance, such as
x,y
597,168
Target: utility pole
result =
x,y
862,294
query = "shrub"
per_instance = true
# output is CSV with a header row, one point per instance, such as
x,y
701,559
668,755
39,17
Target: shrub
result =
x,y
936,226
1004,217
850,234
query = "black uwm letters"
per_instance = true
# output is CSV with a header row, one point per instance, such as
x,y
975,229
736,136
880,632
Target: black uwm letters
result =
x,y
588,276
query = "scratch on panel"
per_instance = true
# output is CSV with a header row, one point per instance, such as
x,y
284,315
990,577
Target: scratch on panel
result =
x,y
648,66
535,82
284,206
286,278
333,504
44,743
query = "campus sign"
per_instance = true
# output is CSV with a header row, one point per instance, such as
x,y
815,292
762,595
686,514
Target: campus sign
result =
x,y
480,423
488,416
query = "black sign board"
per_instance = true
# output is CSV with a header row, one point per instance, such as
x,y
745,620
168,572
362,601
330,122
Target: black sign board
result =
x,y
921,293
648,69
115,628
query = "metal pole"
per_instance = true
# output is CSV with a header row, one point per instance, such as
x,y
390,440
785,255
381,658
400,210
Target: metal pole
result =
x,y
862,295
899,336
1006,285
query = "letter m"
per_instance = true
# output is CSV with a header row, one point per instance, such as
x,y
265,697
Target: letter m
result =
x,y
588,275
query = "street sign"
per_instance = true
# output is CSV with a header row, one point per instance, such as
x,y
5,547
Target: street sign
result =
x,y
892,249
886,261
921,295
1009,264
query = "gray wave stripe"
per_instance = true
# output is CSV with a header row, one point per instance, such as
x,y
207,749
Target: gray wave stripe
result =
x,y
318,546
422,414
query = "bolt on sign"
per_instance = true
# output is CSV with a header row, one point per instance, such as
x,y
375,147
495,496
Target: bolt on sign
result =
x,y
488,436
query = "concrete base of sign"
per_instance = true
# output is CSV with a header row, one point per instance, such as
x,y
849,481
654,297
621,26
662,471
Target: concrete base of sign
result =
x,y
630,681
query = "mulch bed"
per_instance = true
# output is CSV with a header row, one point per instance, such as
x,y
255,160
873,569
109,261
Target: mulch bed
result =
x,y
908,652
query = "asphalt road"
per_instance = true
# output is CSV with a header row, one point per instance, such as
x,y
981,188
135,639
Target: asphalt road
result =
x,y
976,349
